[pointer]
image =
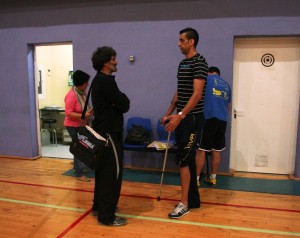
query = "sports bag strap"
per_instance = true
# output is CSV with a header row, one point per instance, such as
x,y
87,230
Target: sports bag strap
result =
x,y
86,102
116,154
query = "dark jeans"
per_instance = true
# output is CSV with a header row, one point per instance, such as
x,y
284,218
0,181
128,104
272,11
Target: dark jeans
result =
x,y
78,165
187,136
107,182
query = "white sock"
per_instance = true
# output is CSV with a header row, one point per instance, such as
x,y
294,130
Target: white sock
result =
x,y
198,178
213,176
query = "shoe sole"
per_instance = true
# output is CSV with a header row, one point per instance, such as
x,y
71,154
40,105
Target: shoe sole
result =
x,y
111,225
179,216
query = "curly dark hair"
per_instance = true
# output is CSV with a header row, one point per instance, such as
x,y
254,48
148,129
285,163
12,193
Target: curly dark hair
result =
x,y
101,56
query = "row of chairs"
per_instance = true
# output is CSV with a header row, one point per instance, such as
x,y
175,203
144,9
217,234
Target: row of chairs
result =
x,y
146,123
139,121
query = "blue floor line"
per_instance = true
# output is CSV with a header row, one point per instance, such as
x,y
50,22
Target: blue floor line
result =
x,y
286,187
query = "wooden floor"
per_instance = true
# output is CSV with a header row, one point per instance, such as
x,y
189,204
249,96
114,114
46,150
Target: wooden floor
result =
x,y
37,201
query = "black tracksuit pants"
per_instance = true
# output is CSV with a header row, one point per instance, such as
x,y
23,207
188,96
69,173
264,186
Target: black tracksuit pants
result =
x,y
188,137
107,182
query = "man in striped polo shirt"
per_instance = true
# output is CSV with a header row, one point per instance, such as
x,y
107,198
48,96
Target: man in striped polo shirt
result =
x,y
188,122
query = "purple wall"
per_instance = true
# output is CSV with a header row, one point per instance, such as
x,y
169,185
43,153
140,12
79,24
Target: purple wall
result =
x,y
149,82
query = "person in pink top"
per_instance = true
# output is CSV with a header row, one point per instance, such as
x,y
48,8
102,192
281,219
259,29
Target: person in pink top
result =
x,y
74,103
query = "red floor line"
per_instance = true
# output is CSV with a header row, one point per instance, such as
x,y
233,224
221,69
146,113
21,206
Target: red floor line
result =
x,y
74,224
47,186
148,197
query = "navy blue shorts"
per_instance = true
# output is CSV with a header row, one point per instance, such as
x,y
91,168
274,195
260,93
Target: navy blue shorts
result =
x,y
187,137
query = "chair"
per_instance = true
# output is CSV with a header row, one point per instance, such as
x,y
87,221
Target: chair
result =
x,y
52,131
163,134
139,121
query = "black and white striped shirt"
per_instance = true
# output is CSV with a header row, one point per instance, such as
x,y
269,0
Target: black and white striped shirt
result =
x,y
188,70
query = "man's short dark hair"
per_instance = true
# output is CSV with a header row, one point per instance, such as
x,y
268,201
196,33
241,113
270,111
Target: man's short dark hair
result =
x,y
191,34
101,56
80,77
214,69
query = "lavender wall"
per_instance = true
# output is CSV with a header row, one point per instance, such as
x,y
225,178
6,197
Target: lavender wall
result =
x,y
149,82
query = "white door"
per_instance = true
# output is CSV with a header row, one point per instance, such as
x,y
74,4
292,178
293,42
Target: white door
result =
x,y
265,104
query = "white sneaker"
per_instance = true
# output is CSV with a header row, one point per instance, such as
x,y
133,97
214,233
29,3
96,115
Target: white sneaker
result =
x,y
179,211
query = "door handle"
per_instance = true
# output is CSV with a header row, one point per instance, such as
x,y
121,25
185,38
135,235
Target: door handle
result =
x,y
238,113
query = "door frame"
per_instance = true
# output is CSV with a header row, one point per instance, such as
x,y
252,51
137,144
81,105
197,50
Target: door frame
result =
x,y
33,93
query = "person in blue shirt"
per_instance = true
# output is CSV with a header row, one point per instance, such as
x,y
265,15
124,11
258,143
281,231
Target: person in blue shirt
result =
x,y
216,107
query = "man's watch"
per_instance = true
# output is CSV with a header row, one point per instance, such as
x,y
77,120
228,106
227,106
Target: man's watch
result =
x,y
181,115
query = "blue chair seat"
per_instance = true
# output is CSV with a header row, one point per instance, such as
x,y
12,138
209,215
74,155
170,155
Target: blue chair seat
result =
x,y
134,147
